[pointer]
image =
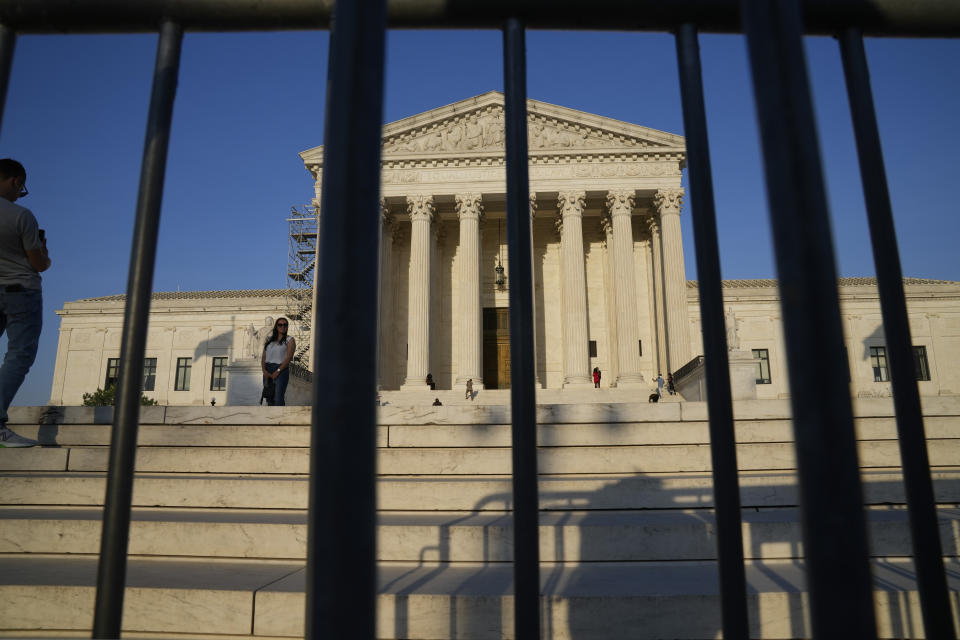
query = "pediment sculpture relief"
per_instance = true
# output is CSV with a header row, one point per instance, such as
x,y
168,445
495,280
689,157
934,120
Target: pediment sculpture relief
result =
x,y
469,133
484,131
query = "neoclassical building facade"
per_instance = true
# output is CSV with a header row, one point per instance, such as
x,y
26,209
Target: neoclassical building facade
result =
x,y
610,290
605,207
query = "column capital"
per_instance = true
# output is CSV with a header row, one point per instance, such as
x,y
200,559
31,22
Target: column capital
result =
x,y
386,217
653,223
469,206
620,202
606,223
533,205
420,207
571,203
668,201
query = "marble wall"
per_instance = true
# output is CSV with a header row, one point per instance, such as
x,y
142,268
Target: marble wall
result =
x,y
196,327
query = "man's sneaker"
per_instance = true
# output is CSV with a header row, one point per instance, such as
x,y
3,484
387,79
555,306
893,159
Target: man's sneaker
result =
x,y
10,439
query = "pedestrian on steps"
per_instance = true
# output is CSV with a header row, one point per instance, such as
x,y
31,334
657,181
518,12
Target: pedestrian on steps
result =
x,y
23,255
275,361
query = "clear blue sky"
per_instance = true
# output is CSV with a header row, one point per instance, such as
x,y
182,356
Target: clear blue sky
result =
x,y
248,103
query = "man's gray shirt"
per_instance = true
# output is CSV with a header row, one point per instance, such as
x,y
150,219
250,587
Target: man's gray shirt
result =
x,y
18,234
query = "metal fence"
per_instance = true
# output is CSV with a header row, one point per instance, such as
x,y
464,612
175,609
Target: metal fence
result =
x,y
341,563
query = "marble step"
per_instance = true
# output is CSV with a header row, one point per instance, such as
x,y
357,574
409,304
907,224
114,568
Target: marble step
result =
x,y
400,410
452,493
443,537
666,432
456,460
593,601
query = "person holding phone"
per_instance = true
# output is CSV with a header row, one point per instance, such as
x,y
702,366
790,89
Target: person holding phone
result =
x,y
23,255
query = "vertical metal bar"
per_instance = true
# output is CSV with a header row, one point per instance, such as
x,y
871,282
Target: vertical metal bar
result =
x,y
723,446
123,443
834,528
523,401
927,552
8,40
341,545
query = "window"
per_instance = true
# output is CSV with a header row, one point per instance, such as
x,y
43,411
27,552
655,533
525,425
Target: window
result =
x,y
640,347
593,348
149,373
113,372
183,374
763,365
878,360
920,366
218,375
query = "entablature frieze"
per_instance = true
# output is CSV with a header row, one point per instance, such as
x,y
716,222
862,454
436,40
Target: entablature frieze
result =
x,y
440,170
675,157
448,180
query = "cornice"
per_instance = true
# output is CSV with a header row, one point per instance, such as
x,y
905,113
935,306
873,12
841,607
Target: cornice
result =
x,y
471,132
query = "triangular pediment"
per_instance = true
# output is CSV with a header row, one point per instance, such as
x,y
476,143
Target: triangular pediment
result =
x,y
475,126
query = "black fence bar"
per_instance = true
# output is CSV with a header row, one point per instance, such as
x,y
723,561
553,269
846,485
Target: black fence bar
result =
x,y
111,577
8,39
341,545
723,446
833,522
927,552
926,18
526,525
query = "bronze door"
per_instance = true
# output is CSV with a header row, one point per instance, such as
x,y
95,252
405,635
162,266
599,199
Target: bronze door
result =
x,y
496,348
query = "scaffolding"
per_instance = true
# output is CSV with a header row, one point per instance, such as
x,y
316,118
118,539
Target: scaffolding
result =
x,y
301,261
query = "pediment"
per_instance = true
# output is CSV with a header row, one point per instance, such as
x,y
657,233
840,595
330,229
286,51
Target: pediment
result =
x,y
475,127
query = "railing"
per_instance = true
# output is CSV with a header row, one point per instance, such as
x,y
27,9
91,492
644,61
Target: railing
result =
x,y
680,373
341,559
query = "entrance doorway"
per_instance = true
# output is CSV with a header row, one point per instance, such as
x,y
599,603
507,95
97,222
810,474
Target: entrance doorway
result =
x,y
496,348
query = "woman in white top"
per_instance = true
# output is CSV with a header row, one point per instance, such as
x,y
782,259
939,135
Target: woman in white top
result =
x,y
275,361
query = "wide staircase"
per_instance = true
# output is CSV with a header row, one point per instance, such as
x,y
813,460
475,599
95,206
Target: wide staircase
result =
x,y
627,533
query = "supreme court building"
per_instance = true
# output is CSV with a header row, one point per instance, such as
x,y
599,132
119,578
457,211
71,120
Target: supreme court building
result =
x,y
608,268
609,277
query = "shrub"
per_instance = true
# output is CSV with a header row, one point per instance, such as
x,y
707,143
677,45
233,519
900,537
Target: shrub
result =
x,y
108,398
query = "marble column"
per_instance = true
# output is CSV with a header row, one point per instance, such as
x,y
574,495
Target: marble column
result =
x,y
576,361
659,317
385,306
422,213
533,282
470,211
620,205
668,203
610,301
314,294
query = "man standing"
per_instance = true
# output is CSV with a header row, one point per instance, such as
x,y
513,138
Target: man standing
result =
x,y
23,255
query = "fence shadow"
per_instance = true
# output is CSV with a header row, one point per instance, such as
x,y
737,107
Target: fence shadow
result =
x,y
588,554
